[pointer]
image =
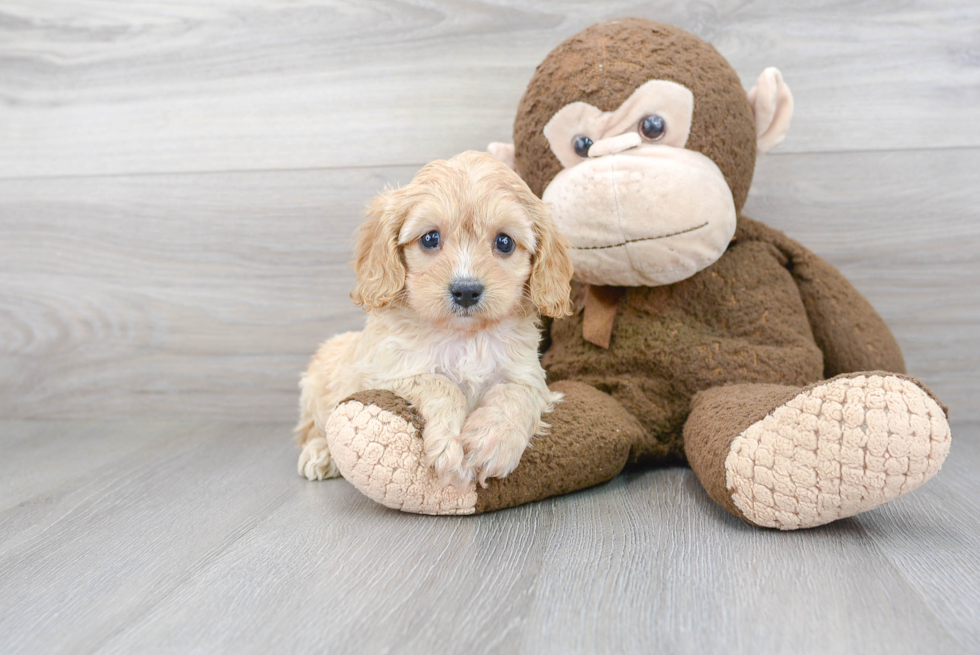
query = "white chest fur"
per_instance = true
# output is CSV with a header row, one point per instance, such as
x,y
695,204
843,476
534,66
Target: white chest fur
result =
x,y
400,347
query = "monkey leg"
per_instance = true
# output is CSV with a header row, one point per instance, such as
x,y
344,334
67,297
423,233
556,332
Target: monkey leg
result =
x,y
375,440
798,457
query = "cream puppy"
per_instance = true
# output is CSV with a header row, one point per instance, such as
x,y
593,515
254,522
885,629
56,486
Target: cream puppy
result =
x,y
453,269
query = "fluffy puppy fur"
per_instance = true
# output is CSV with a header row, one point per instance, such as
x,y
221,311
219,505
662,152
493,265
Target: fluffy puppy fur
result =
x,y
471,371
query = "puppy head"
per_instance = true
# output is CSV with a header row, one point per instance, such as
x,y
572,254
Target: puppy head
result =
x,y
464,245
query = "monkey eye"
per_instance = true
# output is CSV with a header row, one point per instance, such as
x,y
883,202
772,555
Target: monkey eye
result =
x,y
582,144
429,240
653,127
504,244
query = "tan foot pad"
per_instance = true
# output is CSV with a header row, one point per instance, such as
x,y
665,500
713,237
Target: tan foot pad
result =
x,y
837,449
380,453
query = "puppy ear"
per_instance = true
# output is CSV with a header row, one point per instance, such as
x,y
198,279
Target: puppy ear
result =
x,y
551,267
377,261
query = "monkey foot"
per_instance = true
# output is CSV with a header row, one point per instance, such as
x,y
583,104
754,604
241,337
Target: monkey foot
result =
x,y
836,449
375,440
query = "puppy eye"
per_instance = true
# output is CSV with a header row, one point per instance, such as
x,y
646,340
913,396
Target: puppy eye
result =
x,y
653,127
504,244
429,240
582,145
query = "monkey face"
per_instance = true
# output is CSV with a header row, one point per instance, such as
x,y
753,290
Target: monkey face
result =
x,y
643,140
638,207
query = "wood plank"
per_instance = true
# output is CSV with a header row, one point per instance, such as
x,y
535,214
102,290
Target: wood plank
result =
x,y
40,457
103,549
207,541
204,295
645,559
93,87
659,563
358,578
51,469
932,538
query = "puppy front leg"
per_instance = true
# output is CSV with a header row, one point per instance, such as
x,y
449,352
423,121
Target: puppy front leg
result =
x,y
497,432
443,406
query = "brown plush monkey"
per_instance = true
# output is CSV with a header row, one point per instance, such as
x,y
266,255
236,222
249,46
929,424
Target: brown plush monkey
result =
x,y
702,337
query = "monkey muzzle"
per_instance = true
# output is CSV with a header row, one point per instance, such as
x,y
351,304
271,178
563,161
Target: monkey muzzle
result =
x,y
642,215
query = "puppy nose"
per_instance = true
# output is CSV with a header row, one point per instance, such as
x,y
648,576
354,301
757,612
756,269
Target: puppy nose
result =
x,y
466,293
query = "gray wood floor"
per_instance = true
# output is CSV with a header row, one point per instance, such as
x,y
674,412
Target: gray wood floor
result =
x,y
178,187
189,536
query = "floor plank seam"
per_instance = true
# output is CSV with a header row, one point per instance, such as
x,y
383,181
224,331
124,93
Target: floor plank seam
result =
x,y
420,164
910,588
94,477
204,564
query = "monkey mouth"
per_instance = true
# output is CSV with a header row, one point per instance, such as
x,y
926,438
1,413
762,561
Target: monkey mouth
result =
x,y
662,236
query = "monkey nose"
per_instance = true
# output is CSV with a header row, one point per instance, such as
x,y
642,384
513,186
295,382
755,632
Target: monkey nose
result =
x,y
615,144
466,292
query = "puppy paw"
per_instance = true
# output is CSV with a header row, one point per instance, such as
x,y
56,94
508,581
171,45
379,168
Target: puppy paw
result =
x,y
493,443
444,453
315,462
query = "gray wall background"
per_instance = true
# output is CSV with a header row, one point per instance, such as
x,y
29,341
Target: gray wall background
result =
x,y
179,182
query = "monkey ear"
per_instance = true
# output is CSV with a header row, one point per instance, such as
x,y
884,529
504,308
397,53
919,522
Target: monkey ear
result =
x,y
377,261
772,105
504,152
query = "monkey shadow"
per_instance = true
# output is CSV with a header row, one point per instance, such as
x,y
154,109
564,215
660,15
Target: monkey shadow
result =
x,y
676,489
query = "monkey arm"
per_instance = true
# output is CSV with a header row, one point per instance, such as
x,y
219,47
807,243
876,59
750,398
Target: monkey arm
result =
x,y
851,334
